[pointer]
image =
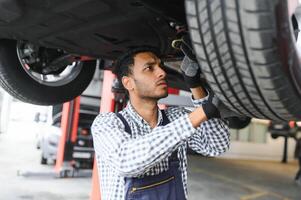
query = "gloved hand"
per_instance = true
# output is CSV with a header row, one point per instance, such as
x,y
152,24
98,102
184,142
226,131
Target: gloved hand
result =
x,y
210,106
214,108
191,73
189,67
225,112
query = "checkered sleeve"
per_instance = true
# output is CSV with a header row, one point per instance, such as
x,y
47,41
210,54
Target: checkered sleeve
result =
x,y
212,137
131,156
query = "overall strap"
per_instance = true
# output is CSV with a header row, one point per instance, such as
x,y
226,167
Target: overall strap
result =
x,y
127,126
174,155
125,123
165,119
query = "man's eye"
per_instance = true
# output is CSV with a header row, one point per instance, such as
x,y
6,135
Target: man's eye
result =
x,y
148,68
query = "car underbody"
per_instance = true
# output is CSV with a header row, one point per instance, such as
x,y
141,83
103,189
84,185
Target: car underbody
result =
x,y
100,29
247,50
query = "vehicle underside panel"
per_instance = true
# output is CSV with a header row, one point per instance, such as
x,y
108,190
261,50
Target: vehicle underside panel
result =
x,y
92,27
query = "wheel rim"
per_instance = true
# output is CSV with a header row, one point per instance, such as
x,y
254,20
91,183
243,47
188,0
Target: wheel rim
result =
x,y
294,14
29,53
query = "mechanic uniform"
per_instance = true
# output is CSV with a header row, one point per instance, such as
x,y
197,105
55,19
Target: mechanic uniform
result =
x,y
138,162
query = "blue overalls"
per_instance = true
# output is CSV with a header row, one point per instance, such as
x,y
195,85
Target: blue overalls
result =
x,y
167,185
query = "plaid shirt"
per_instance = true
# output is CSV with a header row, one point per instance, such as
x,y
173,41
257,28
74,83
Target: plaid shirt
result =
x,y
146,151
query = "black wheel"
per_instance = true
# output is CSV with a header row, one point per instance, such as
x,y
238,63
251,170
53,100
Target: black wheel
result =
x,y
247,52
42,76
238,122
43,160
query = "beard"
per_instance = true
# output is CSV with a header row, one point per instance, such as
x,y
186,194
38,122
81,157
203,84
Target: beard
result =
x,y
150,91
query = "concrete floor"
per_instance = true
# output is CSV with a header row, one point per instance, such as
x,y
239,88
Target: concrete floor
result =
x,y
217,179
208,178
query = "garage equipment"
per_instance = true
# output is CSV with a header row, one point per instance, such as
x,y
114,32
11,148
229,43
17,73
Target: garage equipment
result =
x,y
107,104
69,125
285,130
75,149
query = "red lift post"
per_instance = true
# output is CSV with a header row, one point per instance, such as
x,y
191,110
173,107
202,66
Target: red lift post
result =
x,y
107,104
69,126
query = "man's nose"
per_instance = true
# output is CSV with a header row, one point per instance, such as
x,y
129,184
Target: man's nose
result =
x,y
161,73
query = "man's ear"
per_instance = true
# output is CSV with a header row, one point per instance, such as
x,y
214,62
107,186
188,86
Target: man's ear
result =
x,y
127,83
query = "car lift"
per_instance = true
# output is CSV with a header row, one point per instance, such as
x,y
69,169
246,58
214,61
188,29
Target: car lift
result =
x,y
65,161
69,125
107,104
291,133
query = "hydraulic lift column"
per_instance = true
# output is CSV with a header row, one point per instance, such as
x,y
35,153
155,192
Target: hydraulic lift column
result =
x,y
107,104
69,126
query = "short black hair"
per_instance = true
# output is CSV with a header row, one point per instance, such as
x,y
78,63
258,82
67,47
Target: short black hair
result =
x,y
123,65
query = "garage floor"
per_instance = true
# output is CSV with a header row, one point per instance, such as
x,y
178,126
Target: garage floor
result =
x,y
23,178
241,179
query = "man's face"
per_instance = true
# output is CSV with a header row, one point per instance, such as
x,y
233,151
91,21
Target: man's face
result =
x,y
149,78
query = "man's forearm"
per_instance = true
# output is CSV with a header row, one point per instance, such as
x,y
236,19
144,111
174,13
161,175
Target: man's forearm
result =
x,y
197,117
198,92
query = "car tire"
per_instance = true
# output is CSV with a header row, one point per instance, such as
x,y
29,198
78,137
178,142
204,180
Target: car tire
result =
x,y
238,122
247,52
20,85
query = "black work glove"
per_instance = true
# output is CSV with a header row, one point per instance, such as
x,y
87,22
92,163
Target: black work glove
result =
x,y
191,73
210,106
189,67
214,108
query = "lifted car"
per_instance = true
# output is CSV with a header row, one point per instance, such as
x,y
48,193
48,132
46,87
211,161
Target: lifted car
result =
x,y
247,50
